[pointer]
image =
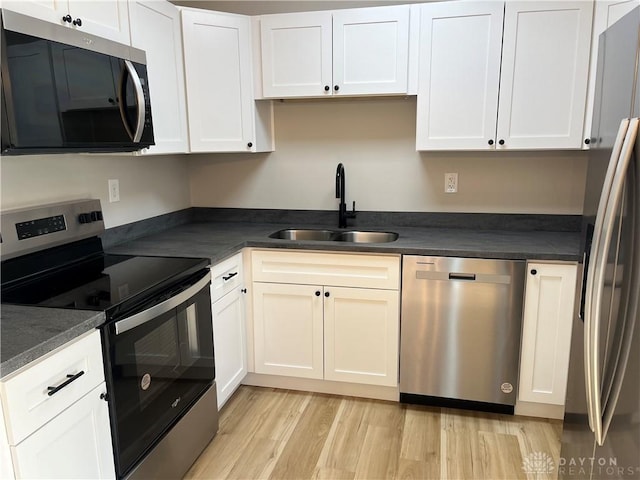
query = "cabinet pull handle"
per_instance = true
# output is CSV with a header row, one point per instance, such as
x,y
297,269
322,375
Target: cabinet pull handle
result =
x,y
77,22
490,142
70,378
67,18
327,88
326,294
587,141
317,293
501,142
336,87
534,272
244,290
230,276
250,144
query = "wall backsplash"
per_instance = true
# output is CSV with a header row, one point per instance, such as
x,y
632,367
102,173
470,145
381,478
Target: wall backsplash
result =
x,y
375,140
149,185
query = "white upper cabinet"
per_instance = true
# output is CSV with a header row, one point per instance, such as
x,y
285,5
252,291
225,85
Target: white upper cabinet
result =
x,y
545,66
222,113
486,84
107,19
607,12
361,51
156,29
296,54
459,75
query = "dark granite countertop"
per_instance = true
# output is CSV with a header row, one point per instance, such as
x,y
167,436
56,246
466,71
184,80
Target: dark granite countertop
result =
x,y
219,240
27,333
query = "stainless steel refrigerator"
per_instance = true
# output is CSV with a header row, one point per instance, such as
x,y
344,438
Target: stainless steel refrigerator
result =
x,y
601,431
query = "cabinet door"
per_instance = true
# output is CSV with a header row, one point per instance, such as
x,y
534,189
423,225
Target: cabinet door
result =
x,y
606,13
288,329
47,10
361,335
296,54
106,19
156,29
460,46
546,332
545,65
229,343
371,50
217,60
75,444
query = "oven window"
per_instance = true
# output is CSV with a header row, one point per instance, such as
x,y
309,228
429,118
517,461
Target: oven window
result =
x,y
158,370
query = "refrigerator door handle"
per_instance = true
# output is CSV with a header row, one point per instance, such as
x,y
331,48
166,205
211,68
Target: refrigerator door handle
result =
x,y
633,301
604,242
593,261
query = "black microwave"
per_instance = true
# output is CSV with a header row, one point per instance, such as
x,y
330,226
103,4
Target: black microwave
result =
x,y
67,91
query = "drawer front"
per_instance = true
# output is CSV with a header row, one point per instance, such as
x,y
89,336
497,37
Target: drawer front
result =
x,y
225,276
337,269
26,401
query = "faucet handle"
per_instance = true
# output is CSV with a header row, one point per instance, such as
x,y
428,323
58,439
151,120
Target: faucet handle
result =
x,y
352,214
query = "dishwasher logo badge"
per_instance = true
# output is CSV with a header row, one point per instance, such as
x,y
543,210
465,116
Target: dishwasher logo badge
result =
x,y
506,387
145,382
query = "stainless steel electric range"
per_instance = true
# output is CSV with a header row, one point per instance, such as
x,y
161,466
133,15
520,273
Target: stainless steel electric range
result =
x,y
157,339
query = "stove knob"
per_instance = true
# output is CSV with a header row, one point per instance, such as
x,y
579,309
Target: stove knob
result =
x,y
84,218
96,216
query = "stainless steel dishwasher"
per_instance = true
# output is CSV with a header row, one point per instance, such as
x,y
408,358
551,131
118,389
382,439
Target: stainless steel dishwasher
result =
x,y
461,320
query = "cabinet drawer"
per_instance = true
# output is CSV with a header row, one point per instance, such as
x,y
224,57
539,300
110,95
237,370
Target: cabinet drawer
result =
x,y
225,276
337,269
25,394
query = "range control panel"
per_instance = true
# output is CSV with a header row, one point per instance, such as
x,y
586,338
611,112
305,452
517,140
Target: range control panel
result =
x,y
30,229
41,226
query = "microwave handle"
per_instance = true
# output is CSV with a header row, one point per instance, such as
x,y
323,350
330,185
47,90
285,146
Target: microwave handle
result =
x,y
137,85
157,310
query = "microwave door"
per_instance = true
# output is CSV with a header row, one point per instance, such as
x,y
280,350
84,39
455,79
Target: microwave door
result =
x,y
132,101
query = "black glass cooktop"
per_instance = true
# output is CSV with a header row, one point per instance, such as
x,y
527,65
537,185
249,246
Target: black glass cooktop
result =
x,y
101,282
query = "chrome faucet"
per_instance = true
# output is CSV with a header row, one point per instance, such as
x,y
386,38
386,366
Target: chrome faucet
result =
x,y
340,193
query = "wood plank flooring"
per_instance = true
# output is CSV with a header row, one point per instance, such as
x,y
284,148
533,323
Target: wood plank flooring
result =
x,y
282,434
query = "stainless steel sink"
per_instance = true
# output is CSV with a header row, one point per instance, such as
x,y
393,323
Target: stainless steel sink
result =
x,y
334,235
366,237
303,234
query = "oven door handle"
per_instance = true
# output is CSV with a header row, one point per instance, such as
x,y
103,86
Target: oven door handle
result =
x,y
157,310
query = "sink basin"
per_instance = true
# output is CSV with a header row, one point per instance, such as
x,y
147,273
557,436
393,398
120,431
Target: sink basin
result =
x,y
366,237
334,235
303,234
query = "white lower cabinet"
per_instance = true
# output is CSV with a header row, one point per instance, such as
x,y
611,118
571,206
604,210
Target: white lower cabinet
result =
x,y
341,330
56,421
546,332
229,332
361,335
75,444
287,321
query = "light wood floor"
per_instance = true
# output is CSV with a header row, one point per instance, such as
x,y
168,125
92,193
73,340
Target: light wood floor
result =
x,y
281,434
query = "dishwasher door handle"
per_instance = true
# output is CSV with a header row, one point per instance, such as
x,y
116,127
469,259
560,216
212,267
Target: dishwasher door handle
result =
x,y
462,276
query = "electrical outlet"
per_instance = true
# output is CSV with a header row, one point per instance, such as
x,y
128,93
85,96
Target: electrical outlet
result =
x,y
114,190
450,182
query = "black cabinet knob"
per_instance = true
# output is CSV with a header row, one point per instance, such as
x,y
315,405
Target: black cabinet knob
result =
x,y
501,142
318,293
104,396
327,88
326,294
250,144
336,88
490,142
244,290
534,272
67,18
77,22
587,141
